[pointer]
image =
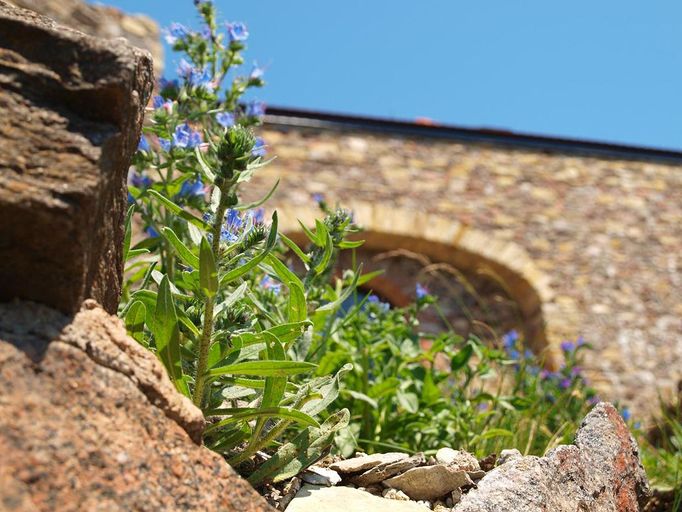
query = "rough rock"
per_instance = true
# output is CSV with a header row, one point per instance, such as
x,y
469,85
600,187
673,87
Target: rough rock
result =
x,y
102,21
365,462
457,459
508,455
72,110
90,421
312,498
601,472
429,482
386,470
317,475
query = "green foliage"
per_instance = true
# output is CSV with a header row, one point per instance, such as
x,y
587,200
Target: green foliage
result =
x,y
207,290
417,392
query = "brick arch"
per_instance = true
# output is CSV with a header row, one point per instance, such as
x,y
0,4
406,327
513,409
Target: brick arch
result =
x,y
446,240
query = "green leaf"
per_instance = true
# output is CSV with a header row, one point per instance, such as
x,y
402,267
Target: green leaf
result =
x,y
249,413
243,269
128,232
327,254
283,273
297,310
167,335
289,332
366,278
408,401
383,388
208,273
259,202
264,368
329,392
171,206
351,244
210,175
356,395
461,357
231,299
136,252
134,320
297,250
312,236
182,250
194,234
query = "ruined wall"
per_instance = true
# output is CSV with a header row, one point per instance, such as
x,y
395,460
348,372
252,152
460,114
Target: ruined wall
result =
x,y
596,241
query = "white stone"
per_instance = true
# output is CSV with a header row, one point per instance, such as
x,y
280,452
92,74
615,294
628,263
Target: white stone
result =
x,y
366,462
317,475
312,498
457,459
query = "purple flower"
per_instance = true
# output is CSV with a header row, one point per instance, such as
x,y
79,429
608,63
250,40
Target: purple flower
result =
x,y
165,144
174,32
192,188
509,340
143,145
576,371
160,102
255,109
201,78
141,181
545,374
580,341
594,400
270,284
225,119
567,346
237,31
528,354
185,137
318,198
259,147
565,383
421,291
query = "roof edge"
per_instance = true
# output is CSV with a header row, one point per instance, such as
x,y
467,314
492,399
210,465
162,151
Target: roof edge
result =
x,y
302,118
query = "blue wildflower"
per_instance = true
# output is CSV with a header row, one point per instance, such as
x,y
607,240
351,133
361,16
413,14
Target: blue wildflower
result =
x,y
318,198
257,72
255,109
174,32
131,199
143,145
184,68
528,354
373,299
257,215
509,339
165,144
421,291
151,232
259,147
270,284
233,223
514,354
141,181
237,31
626,414
580,341
165,84
160,102
185,137
201,78
567,346
205,32
192,188
225,119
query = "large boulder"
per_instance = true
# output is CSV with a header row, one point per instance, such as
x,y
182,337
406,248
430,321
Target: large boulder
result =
x,y
601,472
72,108
90,421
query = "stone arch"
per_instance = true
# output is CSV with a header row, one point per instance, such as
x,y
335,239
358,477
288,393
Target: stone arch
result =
x,y
446,240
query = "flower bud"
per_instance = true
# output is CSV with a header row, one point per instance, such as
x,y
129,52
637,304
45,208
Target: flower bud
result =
x,y
235,149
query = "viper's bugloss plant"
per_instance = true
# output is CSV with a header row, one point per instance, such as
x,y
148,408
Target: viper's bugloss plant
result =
x,y
206,287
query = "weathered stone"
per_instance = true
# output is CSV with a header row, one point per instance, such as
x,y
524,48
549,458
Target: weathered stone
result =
x,y
345,499
90,421
508,455
386,470
102,21
72,110
316,475
457,459
429,482
600,473
365,462
395,494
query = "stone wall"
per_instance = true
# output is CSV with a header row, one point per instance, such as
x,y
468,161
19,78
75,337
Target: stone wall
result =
x,y
588,245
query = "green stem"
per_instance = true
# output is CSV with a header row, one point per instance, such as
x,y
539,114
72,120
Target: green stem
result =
x,y
205,342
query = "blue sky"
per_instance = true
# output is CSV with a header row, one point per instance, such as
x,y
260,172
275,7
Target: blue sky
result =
x,y
608,70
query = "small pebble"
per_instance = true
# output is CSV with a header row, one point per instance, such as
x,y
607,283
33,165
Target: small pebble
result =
x,y
395,494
